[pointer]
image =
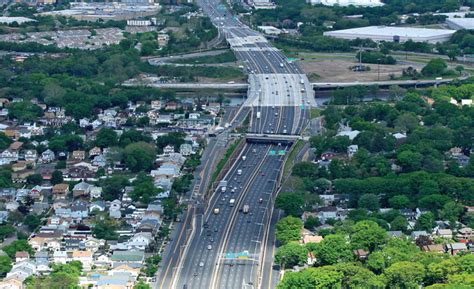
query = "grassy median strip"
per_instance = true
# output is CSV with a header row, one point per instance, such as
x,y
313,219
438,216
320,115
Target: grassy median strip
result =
x,y
223,161
291,158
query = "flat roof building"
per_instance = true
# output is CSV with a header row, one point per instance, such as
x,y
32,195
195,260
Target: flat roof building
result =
x,y
460,23
395,34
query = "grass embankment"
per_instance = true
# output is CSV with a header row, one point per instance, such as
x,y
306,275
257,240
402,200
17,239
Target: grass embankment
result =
x,y
314,113
291,158
225,57
191,73
220,165
244,126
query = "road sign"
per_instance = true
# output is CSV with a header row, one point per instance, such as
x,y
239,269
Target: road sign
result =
x,y
281,152
238,255
272,153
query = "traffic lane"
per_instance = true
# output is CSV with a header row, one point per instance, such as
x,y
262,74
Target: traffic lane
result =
x,y
169,256
165,274
270,273
197,244
261,160
250,273
199,247
248,236
240,237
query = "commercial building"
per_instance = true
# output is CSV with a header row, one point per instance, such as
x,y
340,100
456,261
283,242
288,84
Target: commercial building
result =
x,y
262,4
460,23
342,3
395,34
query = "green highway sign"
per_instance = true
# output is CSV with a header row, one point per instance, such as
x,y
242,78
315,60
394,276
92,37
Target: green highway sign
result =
x,y
272,153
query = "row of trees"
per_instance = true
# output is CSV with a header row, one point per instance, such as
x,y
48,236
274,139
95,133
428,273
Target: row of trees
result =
x,y
392,262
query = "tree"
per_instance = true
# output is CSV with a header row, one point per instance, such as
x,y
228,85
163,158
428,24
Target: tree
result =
x,y
407,275
133,135
63,276
57,177
459,69
144,189
4,141
333,249
312,278
5,265
139,156
35,179
18,245
106,137
356,276
399,202
32,221
6,231
406,121
291,203
410,161
141,285
400,223
438,272
112,187
367,235
369,202
291,254
311,222
105,229
173,138
425,222
182,184
451,211
288,229
435,67
169,207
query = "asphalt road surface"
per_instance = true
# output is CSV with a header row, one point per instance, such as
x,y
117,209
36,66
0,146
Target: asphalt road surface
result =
x,y
226,247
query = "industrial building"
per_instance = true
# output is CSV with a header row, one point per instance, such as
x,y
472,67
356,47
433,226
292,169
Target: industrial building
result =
x,y
460,23
393,34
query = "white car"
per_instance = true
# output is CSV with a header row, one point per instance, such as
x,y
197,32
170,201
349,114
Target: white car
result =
x,y
201,264
209,247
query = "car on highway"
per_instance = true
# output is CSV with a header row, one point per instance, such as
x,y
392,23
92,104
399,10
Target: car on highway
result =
x,y
201,264
209,247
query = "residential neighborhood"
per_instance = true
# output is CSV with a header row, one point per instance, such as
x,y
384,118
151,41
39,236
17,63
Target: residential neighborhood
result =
x,y
89,206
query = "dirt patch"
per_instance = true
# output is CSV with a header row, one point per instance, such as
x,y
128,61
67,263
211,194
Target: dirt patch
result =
x,y
337,70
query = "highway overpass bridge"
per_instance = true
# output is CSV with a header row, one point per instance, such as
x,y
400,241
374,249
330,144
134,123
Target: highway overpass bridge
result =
x,y
315,85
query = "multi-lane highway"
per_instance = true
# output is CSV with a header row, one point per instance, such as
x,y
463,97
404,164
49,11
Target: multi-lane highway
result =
x,y
226,247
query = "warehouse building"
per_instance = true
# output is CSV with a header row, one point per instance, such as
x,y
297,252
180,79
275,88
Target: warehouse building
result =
x,y
395,34
460,23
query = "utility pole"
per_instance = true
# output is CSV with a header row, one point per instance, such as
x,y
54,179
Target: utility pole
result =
x,y
378,69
